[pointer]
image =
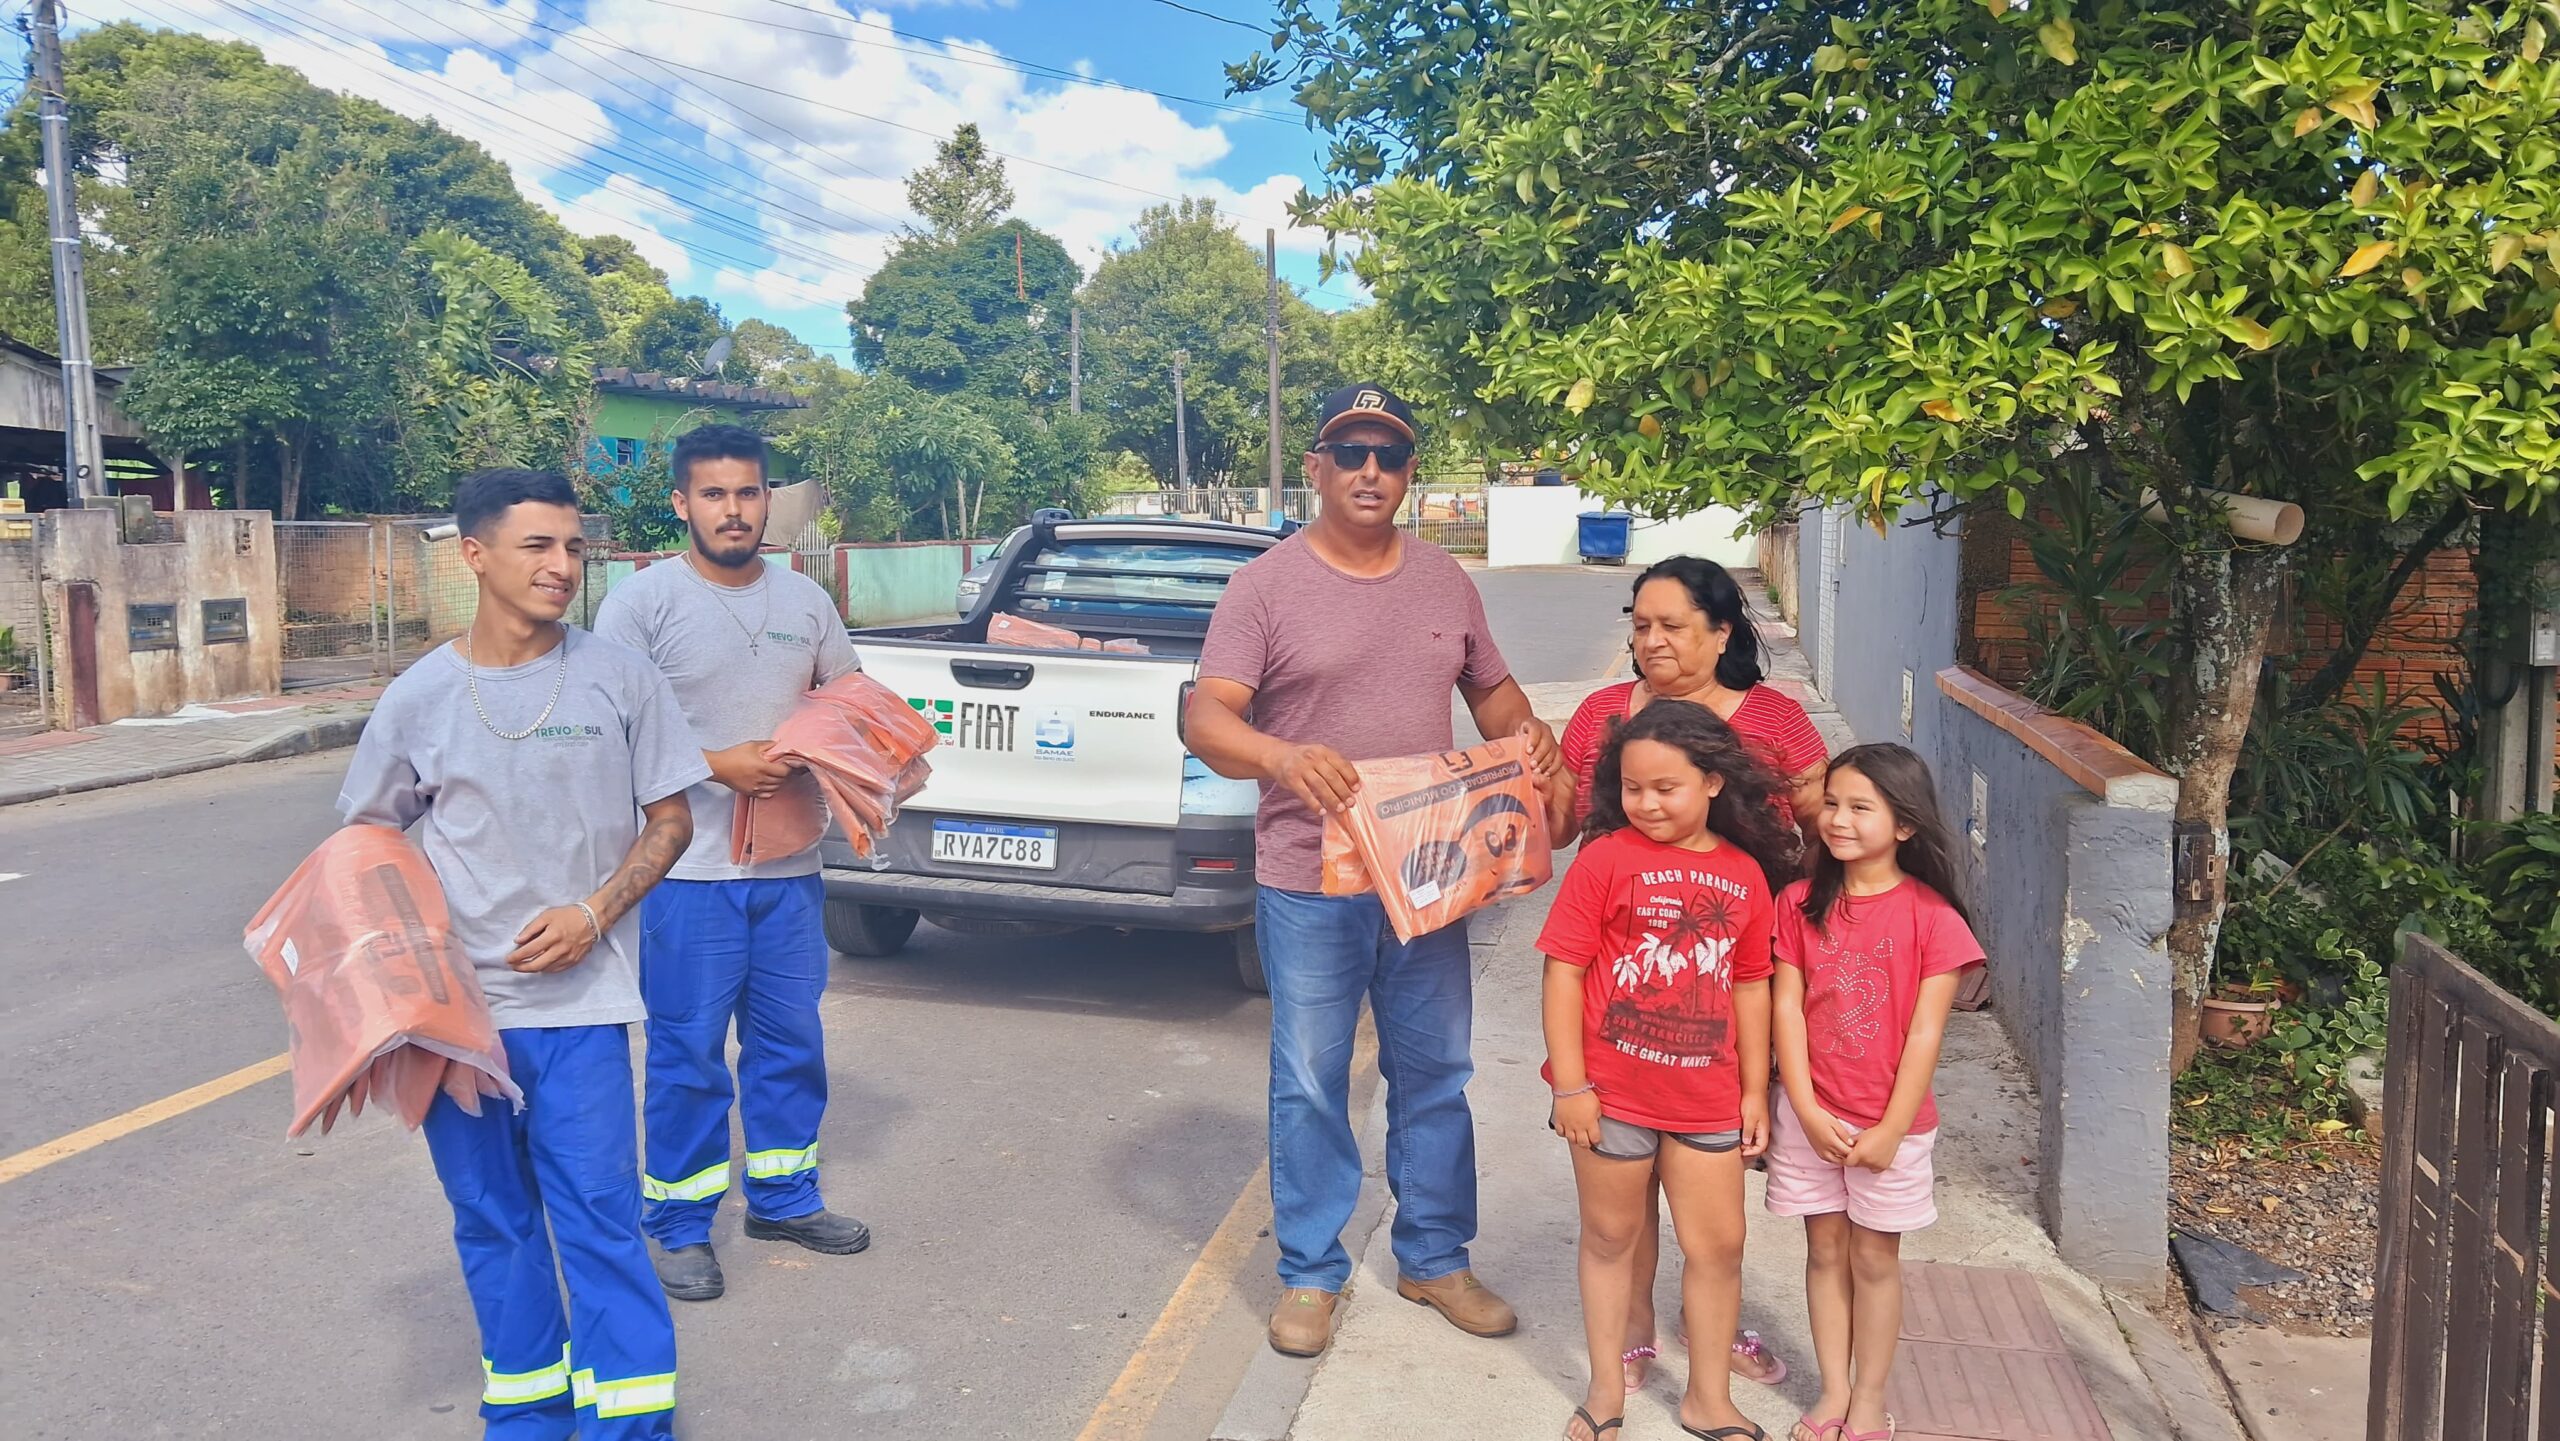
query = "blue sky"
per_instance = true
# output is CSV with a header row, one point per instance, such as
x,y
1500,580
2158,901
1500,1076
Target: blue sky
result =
x,y
755,149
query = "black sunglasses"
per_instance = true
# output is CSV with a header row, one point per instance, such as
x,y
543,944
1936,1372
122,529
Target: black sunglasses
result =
x,y
1350,455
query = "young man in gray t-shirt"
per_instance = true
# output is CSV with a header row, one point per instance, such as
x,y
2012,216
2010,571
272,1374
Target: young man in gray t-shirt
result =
x,y
741,643
543,771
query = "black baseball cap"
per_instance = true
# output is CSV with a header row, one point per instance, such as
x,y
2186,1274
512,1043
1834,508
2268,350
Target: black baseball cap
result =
x,y
1364,402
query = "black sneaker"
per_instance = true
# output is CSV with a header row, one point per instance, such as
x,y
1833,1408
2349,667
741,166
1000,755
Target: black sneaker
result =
x,y
821,1231
689,1273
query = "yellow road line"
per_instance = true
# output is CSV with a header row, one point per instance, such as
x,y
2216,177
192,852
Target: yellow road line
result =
x,y
1130,1406
36,1158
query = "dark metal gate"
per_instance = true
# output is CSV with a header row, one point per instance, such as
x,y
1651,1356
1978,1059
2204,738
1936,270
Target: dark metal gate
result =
x,y
2460,1345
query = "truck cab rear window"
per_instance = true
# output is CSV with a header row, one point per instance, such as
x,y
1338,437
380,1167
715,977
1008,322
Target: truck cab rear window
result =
x,y
1171,579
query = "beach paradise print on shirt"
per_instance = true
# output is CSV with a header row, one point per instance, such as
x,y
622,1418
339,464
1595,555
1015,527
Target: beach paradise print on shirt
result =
x,y
1671,1000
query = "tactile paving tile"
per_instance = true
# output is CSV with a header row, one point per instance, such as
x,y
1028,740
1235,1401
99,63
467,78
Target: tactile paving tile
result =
x,y
1981,1360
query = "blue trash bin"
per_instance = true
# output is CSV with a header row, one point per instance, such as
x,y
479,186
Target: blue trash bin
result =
x,y
1604,537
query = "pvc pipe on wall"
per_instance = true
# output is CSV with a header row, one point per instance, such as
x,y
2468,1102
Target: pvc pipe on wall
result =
x,y
2251,517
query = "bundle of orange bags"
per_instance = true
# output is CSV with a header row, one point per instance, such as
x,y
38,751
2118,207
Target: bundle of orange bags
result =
x,y
1451,834
1007,629
380,1004
865,746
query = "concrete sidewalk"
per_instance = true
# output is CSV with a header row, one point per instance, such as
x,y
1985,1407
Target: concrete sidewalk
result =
x,y
1399,1370
60,763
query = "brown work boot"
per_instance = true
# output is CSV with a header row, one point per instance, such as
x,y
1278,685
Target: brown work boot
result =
x,y
1470,1304
1302,1324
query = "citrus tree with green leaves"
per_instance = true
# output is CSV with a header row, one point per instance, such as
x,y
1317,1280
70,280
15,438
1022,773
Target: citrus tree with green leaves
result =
x,y
1935,252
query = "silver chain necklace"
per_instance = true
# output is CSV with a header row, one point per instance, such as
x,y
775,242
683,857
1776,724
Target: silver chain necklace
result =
x,y
559,673
755,637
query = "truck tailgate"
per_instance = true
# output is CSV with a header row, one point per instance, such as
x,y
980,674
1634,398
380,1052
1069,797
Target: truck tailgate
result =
x,y
1044,735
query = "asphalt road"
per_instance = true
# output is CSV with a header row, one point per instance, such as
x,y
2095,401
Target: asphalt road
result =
x,y
1044,1133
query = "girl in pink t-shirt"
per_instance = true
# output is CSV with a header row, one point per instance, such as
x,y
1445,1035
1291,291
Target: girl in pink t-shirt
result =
x,y
1869,950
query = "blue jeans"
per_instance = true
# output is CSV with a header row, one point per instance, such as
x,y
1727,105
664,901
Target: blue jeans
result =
x,y
1321,955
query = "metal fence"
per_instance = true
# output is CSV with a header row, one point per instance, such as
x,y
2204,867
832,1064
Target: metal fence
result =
x,y
329,574
2463,1344
363,599
22,672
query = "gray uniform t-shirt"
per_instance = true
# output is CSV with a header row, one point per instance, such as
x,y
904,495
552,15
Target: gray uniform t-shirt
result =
x,y
731,693
514,828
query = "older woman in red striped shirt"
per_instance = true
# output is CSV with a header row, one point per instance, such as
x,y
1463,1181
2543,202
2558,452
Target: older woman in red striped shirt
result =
x,y
1693,641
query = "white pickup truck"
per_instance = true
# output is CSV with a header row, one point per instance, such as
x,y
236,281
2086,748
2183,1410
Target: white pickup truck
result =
x,y
1062,793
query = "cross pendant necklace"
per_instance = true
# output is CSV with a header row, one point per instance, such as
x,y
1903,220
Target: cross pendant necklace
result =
x,y
755,636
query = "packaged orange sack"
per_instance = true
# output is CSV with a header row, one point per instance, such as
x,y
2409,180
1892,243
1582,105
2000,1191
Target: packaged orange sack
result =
x,y
378,1000
866,747
1450,834
1006,629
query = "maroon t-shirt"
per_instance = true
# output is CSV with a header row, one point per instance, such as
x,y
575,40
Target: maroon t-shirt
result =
x,y
1363,666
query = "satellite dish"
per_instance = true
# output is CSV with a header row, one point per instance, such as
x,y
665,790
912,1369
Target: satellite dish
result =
x,y
718,355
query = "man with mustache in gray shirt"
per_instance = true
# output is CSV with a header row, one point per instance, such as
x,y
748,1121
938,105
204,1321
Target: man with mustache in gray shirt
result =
x,y
740,642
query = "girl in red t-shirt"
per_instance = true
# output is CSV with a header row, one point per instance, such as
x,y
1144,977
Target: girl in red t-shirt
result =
x,y
1869,951
1657,1021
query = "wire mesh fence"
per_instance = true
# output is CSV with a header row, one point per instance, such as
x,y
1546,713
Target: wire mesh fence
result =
x,y
329,574
363,599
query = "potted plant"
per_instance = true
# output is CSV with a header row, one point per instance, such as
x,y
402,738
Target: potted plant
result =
x,y
2249,969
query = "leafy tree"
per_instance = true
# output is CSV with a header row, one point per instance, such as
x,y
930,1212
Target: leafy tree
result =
x,y
648,328
1191,284
903,463
984,313
962,191
499,379
1943,250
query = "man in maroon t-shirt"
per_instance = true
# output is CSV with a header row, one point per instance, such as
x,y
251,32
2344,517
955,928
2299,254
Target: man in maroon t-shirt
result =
x,y
1342,643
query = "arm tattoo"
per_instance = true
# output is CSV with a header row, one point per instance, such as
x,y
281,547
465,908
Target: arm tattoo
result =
x,y
662,840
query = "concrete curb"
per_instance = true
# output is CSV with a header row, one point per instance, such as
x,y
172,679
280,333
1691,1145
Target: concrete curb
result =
x,y
326,733
1265,1403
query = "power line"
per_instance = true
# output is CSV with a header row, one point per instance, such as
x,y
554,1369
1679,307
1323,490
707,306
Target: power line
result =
x,y
685,170
409,81
777,154
997,60
1245,25
748,269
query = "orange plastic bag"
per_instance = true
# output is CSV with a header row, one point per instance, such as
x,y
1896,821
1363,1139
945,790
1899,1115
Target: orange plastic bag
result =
x,y
378,1000
1451,833
865,745
1005,629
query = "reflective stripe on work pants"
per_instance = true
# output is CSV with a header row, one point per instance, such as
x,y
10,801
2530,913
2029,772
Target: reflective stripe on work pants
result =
x,y
548,1194
712,954
630,1396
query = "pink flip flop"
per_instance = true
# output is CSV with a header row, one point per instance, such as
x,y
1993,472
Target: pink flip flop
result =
x,y
1806,1426
1887,1434
1753,1348
1632,1356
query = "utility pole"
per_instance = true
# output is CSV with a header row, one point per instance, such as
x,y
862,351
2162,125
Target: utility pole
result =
x,y
84,473
1271,343
1181,433
1075,360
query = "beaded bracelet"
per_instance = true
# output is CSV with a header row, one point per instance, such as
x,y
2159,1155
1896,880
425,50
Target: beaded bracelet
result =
x,y
1584,1090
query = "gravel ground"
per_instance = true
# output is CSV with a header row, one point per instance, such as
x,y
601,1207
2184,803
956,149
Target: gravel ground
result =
x,y
2312,1208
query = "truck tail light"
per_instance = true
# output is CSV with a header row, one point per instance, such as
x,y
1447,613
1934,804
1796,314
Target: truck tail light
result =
x,y
1214,865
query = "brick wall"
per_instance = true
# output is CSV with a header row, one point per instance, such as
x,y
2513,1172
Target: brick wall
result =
x,y
2419,640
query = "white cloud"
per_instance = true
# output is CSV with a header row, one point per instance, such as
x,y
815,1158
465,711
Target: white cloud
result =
x,y
778,122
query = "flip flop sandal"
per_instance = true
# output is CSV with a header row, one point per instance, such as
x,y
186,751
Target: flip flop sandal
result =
x,y
1731,1433
1806,1426
1890,1427
1752,1348
1598,1428
1632,1356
